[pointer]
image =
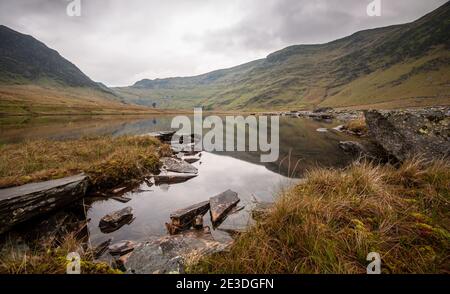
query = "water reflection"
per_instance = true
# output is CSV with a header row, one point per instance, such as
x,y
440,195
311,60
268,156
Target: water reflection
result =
x,y
216,174
239,171
299,140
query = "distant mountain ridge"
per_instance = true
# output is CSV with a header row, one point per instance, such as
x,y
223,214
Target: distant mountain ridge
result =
x,y
395,66
35,79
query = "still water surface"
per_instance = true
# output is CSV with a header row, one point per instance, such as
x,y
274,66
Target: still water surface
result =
x,y
301,147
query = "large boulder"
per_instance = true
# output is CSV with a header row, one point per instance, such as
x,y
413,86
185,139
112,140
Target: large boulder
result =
x,y
406,133
19,204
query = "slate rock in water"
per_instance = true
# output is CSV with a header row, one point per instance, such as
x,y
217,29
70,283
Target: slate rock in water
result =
x,y
221,205
185,216
122,248
114,221
172,178
178,166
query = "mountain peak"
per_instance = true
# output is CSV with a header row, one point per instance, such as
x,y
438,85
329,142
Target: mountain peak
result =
x,y
23,58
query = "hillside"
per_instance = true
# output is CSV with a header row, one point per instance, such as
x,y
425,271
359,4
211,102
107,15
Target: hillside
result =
x,y
35,79
395,66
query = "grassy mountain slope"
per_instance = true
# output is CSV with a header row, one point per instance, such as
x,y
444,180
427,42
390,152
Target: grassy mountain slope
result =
x,y
401,65
35,79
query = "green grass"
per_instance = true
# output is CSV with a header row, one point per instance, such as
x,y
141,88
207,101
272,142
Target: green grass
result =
x,y
330,223
397,66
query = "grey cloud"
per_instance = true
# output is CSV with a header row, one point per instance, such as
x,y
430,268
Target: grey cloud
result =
x,y
118,42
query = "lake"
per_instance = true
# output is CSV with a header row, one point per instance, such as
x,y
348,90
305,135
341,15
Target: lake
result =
x,y
302,147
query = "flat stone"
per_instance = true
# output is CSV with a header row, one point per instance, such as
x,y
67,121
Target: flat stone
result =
x,y
180,147
19,204
121,199
191,159
101,248
220,205
122,248
172,178
114,221
322,130
178,166
170,254
186,216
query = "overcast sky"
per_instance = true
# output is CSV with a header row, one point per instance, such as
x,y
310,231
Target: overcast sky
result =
x,y
118,42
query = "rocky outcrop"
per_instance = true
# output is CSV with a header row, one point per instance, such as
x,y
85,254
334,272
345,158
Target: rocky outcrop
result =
x,y
19,204
404,134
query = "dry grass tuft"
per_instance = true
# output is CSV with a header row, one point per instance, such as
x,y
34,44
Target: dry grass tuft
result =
x,y
107,160
49,259
357,127
330,224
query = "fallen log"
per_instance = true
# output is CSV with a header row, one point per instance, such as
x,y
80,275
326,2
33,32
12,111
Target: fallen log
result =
x,y
19,204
